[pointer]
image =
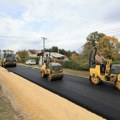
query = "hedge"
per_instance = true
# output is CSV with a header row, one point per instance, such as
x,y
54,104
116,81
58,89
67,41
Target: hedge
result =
x,y
73,65
82,66
116,62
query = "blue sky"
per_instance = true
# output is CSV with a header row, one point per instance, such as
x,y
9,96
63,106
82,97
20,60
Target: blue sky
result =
x,y
65,23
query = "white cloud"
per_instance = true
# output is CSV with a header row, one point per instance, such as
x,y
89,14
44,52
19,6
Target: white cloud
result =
x,y
65,23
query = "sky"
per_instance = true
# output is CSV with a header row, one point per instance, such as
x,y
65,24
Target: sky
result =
x,y
65,23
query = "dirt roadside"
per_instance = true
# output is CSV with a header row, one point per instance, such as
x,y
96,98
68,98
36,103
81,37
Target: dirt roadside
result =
x,y
35,103
7,112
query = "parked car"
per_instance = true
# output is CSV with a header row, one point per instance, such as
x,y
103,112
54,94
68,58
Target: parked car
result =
x,y
30,62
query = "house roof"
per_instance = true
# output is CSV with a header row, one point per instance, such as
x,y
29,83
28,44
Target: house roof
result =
x,y
34,51
54,54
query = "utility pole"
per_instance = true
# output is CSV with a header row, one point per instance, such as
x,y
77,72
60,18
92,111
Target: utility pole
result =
x,y
0,55
43,38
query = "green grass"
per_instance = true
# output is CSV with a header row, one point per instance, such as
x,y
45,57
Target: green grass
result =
x,y
78,73
6,110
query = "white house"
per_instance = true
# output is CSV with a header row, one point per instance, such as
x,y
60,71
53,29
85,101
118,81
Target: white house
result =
x,y
55,57
33,53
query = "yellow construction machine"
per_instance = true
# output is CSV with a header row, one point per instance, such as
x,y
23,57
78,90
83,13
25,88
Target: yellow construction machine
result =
x,y
8,58
51,70
112,71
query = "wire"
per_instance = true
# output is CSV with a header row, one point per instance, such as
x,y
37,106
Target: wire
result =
x,y
18,37
74,36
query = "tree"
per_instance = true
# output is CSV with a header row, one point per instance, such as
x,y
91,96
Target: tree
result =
x,y
0,54
75,57
94,37
86,49
92,40
23,55
61,51
110,46
54,49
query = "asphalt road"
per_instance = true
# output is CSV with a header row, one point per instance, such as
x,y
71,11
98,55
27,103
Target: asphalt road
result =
x,y
103,100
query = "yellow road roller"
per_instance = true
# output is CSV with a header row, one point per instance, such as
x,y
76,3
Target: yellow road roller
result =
x,y
8,58
52,71
111,74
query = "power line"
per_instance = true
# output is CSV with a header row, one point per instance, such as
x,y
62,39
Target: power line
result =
x,y
73,34
18,37
115,31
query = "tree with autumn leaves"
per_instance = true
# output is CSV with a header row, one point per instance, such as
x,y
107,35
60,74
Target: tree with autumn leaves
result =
x,y
92,40
109,46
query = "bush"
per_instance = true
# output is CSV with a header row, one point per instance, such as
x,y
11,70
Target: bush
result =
x,y
116,62
84,67
70,64
73,65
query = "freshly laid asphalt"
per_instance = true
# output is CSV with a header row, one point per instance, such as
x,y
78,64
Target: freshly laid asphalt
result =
x,y
103,100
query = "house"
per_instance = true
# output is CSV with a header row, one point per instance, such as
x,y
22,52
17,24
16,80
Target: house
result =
x,y
33,53
56,57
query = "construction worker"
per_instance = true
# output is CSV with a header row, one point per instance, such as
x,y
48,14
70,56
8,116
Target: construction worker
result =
x,y
46,60
99,61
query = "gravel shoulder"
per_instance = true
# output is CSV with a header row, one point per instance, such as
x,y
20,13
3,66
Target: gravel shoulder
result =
x,y
5,108
32,102
7,112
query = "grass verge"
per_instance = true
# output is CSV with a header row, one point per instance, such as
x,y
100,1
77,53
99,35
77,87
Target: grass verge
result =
x,y
6,110
78,73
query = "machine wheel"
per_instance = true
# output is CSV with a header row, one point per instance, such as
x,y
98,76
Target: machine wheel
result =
x,y
117,84
50,78
42,74
61,78
3,64
14,65
94,80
